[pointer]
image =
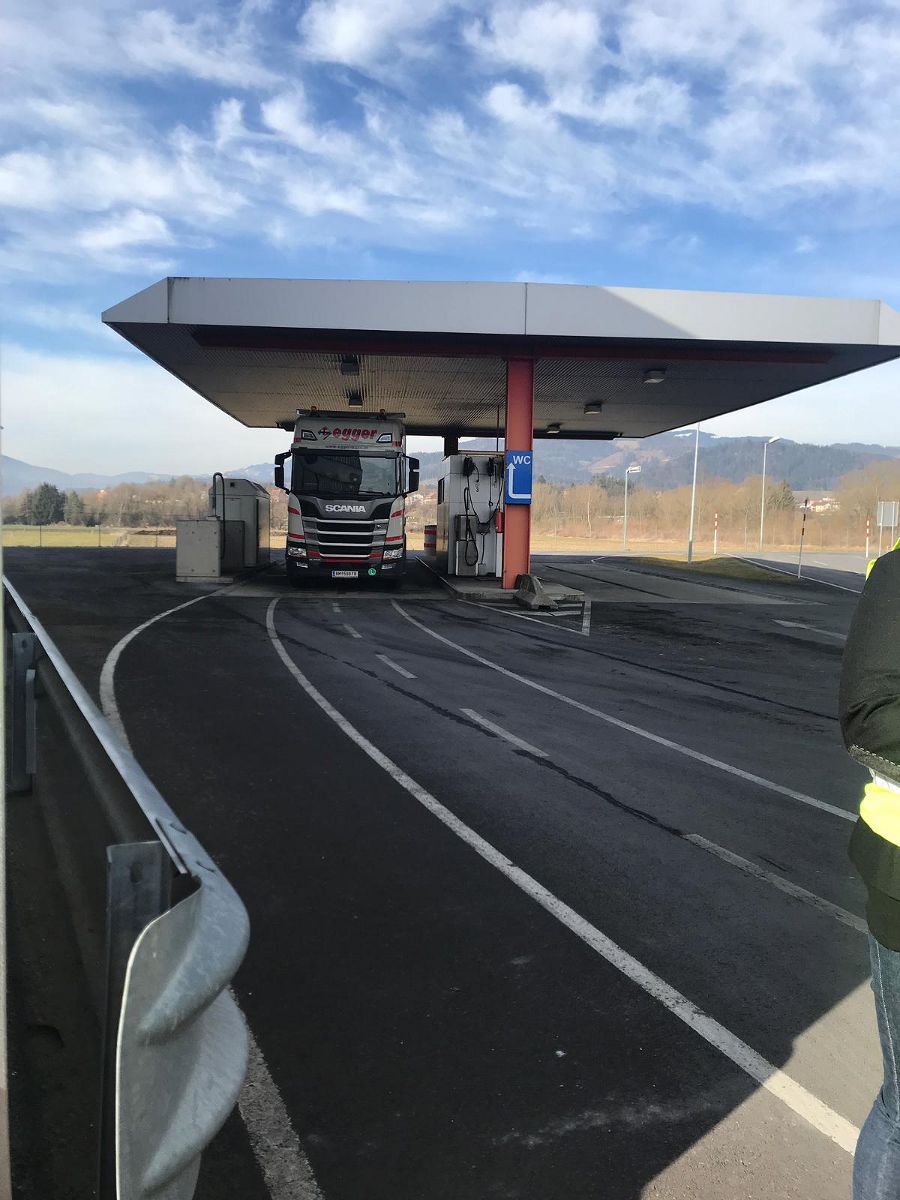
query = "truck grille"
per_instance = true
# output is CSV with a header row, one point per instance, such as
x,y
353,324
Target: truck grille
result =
x,y
345,539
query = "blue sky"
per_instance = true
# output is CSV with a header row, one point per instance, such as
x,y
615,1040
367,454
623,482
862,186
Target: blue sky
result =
x,y
709,144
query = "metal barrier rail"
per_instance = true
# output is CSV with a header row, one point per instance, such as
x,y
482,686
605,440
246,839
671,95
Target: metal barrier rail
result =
x,y
160,929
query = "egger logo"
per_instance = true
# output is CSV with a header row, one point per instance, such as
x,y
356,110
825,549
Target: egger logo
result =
x,y
350,433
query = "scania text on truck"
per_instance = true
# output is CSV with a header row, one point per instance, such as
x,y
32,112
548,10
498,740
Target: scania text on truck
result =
x,y
350,477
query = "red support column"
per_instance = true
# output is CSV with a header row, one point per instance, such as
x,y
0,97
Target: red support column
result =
x,y
519,436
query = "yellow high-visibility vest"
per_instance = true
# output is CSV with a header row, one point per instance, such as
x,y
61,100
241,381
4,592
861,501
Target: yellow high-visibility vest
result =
x,y
880,808
873,561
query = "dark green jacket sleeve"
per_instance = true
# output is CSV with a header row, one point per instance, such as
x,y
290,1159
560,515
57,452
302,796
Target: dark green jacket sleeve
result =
x,y
869,698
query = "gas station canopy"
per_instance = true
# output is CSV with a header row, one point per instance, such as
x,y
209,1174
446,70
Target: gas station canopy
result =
x,y
607,361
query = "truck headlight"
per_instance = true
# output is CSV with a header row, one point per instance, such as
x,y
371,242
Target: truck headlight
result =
x,y
296,552
394,552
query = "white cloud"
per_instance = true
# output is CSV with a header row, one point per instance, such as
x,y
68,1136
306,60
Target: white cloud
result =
x,y
587,109
205,48
288,115
27,181
509,103
228,122
47,38
131,228
643,105
60,318
363,33
312,195
550,39
541,277
556,119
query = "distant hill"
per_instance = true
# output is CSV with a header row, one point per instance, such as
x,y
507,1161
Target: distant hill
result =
x,y
17,476
667,460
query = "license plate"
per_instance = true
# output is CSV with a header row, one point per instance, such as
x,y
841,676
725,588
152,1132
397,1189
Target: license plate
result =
x,y
345,574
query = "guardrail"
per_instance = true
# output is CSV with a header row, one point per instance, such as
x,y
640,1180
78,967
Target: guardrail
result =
x,y
160,930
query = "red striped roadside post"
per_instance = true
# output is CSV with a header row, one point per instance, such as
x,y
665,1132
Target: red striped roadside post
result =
x,y
802,535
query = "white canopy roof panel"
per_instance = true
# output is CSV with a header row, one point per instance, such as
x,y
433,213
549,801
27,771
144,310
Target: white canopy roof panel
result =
x,y
261,348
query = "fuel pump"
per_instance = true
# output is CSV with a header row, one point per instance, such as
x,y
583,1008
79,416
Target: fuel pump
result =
x,y
469,514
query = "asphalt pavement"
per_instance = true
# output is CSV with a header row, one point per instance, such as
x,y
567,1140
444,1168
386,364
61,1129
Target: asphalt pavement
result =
x,y
542,907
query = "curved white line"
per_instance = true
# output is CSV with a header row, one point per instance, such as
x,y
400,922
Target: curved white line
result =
x,y
273,1139
807,1106
767,566
108,701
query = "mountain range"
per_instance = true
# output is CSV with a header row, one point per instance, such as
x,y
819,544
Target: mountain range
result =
x,y
17,476
666,461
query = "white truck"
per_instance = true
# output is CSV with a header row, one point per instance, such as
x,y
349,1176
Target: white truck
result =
x,y
350,477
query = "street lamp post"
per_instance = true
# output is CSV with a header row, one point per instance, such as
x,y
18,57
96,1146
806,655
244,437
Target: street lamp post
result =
x,y
762,507
690,556
634,469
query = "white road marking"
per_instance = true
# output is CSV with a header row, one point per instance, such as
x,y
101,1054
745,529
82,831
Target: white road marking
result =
x,y
783,885
336,607
108,670
840,637
796,1097
508,612
768,566
389,662
273,1139
768,784
353,632
501,732
586,618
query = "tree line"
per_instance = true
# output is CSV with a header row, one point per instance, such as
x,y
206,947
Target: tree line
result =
x,y
127,505
594,510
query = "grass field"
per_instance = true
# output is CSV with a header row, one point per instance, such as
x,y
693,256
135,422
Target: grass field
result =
x,y
722,567
112,537
106,536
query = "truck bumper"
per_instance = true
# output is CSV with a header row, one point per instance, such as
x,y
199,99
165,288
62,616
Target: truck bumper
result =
x,y
371,570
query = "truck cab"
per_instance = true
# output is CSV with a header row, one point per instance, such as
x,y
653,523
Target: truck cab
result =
x,y
350,477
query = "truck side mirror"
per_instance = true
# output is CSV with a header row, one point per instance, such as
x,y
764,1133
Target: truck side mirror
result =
x,y
412,475
279,469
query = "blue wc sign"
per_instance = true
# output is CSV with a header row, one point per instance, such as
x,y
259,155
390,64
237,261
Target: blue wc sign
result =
x,y
518,477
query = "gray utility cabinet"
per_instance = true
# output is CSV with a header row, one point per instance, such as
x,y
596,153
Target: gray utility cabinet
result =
x,y
198,549
246,502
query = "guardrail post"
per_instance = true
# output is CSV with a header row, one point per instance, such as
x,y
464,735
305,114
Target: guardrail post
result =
x,y
138,889
20,772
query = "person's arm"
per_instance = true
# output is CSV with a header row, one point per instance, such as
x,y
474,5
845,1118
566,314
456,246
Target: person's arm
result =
x,y
869,697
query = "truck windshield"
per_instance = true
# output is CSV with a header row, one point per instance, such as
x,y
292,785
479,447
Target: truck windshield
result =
x,y
344,475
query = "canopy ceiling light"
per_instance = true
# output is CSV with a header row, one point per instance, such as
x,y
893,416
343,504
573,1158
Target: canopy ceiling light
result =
x,y
554,427
354,399
592,407
655,375
349,364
